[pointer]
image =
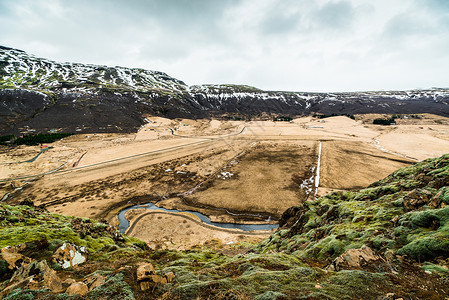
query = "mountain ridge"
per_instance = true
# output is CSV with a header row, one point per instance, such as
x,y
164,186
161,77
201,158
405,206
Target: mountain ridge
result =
x,y
43,95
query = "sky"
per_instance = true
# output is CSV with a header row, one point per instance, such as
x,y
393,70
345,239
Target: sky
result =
x,y
283,45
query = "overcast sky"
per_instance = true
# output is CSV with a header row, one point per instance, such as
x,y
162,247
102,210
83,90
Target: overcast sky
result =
x,y
294,45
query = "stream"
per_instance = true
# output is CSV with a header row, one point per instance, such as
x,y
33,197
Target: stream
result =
x,y
124,223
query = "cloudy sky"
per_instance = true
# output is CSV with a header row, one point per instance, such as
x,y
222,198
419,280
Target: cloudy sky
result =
x,y
295,45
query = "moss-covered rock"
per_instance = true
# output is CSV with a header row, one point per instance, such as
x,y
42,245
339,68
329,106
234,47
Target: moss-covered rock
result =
x,y
24,224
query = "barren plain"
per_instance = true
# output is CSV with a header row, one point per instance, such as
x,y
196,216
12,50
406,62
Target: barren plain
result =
x,y
231,171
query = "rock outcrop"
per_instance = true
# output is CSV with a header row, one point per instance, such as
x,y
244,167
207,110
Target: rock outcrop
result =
x,y
354,259
12,256
69,255
34,275
94,280
147,277
77,288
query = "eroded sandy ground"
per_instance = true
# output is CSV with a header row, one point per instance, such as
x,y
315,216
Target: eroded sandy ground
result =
x,y
182,231
232,171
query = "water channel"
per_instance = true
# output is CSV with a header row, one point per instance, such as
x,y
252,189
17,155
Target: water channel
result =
x,y
124,223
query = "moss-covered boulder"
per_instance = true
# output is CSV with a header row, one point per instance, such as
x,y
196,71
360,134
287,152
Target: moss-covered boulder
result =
x,y
25,224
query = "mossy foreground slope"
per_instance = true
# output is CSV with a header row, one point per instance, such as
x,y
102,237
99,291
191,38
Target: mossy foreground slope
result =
x,y
388,241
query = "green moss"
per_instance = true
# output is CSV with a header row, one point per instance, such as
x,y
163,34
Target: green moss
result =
x,y
20,294
355,283
401,233
270,295
422,218
114,288
444,195
24,224
427,247
426,218
297,282
437,269
441,172
381,242
329,246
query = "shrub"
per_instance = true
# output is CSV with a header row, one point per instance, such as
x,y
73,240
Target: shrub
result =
x,y
381,121
36,139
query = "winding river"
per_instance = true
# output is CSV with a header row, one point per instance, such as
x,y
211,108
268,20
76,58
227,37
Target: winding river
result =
x,y
124,223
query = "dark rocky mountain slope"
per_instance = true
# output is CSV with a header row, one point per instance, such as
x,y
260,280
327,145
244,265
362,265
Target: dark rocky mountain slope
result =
x,y
41,95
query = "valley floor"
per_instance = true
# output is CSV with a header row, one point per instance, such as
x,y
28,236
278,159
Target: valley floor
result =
x,y
232,171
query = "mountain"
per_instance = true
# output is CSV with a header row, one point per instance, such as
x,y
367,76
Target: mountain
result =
x,y
40,94
387,241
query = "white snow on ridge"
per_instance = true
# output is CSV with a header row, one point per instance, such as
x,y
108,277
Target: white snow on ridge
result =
x,y
27,69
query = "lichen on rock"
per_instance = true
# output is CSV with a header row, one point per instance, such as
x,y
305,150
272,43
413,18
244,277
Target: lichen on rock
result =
x,y
69,255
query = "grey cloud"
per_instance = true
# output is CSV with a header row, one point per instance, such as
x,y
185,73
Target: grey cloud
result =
x,y
310,18
277,23
176,15
404,25
334,15
267,43
96,30
437,5
281,18
439,10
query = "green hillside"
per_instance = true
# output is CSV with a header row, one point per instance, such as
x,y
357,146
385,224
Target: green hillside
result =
x,y
388,241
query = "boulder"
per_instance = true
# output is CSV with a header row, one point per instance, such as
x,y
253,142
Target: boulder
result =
x,y
170,276
37,275
94,280
158,279
50,278
13,258
68,282
152,281
147,277
354,259
69,255
77,288
144,271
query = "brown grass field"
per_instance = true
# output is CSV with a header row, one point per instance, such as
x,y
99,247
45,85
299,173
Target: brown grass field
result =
x,y
232,171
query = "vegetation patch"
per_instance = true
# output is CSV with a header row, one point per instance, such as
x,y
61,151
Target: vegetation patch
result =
x,y
37,139
380,121
324,116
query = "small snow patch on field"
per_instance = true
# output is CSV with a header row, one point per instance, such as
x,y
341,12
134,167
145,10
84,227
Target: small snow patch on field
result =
x,y
225,175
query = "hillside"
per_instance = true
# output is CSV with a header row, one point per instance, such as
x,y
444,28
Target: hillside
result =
x,y
387,241
40,95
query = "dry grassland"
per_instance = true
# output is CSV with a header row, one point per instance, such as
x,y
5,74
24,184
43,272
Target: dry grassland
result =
x,y
233,171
